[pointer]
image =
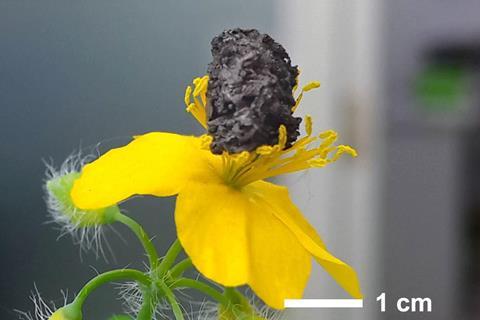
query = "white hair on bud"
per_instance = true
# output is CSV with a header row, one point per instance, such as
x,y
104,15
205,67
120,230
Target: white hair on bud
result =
x,y
73,163
91,238
42,309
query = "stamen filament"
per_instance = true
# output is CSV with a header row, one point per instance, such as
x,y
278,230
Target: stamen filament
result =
x,y
309,86
275,160
198,107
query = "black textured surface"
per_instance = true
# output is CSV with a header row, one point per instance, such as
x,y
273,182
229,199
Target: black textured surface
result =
x,y
249,92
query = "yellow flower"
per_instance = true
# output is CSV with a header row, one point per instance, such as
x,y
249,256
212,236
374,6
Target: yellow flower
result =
x,y
237,228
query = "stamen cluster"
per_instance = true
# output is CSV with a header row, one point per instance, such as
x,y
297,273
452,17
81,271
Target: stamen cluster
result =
x,y
266,161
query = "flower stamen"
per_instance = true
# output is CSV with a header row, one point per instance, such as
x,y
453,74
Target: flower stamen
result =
x,y
267,161
309,86
199,94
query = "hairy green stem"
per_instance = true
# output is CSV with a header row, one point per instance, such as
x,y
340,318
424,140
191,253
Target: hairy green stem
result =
x,y
110,276
177,270
142,236
233,297
170,257
202,287
177,311
148,305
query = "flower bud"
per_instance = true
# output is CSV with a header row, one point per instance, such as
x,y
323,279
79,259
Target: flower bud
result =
x,y
60,202
68,312
85,226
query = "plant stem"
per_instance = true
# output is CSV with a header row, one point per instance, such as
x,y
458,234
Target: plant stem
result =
x,y
232,296
110,276
142,236
202,287
147,309
180,268
170,257
173,302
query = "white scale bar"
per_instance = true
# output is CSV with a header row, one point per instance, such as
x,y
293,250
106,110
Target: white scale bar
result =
x,y
323,303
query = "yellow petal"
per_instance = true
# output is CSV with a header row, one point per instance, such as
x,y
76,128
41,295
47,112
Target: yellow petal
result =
x,y
211,224
281,265
278,199
234,239
156,163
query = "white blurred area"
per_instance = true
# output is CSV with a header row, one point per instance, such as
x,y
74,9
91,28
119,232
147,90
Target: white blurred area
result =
x,y
400,83
338,43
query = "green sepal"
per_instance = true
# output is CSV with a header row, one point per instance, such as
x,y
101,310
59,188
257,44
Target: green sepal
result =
x,y
69,312
60,187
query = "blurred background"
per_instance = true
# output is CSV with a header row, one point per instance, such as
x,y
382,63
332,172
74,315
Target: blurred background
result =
x,y
399,81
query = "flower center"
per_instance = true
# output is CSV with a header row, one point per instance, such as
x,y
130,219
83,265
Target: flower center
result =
x,y
266,161
269,161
